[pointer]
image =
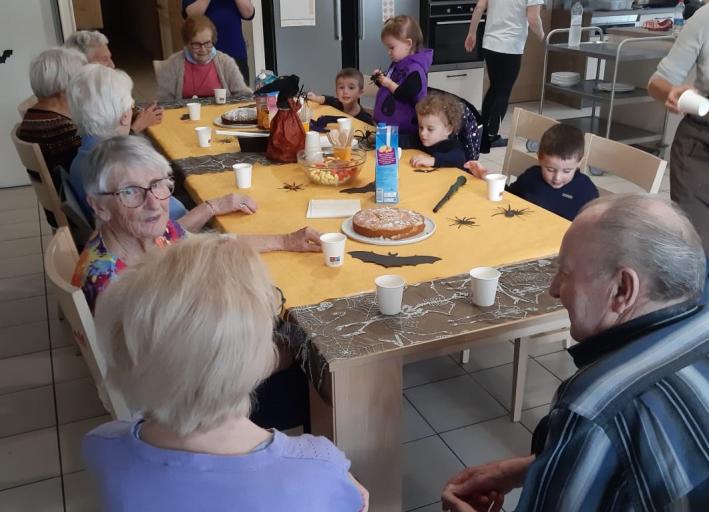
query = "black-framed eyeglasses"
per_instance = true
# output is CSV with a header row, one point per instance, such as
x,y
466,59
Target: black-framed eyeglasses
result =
x,y
134,196
207,46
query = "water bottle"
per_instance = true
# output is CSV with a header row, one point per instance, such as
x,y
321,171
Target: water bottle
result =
x,y
576,21
678,18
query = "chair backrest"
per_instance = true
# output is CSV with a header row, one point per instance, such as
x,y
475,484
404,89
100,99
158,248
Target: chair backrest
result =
x,y
31,157
81,227
635,165
157,66
59,262
529,126
26,105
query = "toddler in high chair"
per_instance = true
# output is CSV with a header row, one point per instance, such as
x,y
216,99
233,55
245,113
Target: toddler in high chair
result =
x,y
405,82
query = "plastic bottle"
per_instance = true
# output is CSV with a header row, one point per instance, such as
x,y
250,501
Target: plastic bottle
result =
x,y
576,21
678,18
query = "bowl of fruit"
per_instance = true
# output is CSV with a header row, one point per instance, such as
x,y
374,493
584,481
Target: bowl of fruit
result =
x,y
332,166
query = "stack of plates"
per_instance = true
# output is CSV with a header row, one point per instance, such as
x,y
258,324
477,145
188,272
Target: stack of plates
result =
x,y
619,87
565,78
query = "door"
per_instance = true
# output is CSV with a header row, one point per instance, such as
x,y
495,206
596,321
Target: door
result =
x,y
314,53
163,7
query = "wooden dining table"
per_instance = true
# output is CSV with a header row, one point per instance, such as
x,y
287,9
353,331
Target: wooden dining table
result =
x,y
353,355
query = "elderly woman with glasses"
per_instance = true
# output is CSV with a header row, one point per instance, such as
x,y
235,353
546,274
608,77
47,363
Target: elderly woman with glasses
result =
x,y
188,354
129,187
199,68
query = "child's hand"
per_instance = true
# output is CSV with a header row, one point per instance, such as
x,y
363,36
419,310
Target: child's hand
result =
x,y
317,98
377,76
475,168
422,161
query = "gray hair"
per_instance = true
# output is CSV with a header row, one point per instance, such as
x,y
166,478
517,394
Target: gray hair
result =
x,y
98,97
86,41
117,154
656,239
187,332
51,71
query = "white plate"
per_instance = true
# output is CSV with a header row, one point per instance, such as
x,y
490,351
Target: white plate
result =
x,y
566,75
218,121
428,230
619,87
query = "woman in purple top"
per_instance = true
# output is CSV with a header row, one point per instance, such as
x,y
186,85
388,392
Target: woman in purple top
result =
x,y
187,337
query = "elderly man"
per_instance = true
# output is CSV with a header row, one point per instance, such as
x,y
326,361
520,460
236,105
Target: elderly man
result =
x,y
630,430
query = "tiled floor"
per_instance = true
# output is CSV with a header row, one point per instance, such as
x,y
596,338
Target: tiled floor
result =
x,y
454,415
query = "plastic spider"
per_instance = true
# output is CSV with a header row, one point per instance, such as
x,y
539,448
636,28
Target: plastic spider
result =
x,y
511,212
294,187
468,222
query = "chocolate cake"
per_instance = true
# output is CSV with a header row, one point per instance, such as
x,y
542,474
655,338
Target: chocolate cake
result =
x,y
239,116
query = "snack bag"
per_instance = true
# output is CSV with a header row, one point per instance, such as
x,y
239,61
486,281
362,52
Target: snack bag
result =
x,y
287,134
386,171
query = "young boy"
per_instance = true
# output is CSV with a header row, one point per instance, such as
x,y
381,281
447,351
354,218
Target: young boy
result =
x,y
439,116
349,86
556,183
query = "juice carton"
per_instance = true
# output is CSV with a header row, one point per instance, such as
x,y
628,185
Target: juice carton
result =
x,y
387,164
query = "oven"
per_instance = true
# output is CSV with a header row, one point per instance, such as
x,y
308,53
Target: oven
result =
x,y
445,27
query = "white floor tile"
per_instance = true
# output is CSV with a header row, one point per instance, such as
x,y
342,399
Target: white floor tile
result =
x,y
454,403
539,390
540,348
561,364
22,287
78,400
17,198
20,247
45,496
23,339
24,411
68,365
28,458
532,416
415,427
19,230
427,465
423,372
80,493
488,355
25,372
434,507
70,436
23,311
19,215
60,333
21,265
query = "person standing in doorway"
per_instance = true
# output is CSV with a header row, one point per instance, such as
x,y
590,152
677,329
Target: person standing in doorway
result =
x,y
226,16
503,45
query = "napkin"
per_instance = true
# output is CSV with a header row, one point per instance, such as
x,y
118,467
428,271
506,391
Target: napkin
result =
x,y
332,208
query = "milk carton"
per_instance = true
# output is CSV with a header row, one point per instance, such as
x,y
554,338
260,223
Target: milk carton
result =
x,y
387,164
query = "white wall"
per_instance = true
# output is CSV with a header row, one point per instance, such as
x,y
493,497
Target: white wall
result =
x,y
27,27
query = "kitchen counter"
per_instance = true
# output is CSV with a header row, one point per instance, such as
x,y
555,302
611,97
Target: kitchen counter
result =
x,y
624,32
645,10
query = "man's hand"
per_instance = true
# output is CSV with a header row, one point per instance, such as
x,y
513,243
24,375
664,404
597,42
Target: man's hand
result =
x,y
470,42
423,161
672,102
303,240
148,117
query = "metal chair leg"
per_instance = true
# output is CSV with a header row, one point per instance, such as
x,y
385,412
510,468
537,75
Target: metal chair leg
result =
x,y
519,377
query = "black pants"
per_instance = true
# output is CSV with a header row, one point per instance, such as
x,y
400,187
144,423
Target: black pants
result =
x,y
502,69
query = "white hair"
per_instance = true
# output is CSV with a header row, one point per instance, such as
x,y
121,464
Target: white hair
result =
x,y
655,239
86,41
117,154
188,332
98,97
51,71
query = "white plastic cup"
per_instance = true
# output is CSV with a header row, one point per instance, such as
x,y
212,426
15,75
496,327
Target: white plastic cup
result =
x,y
495,186
345,124
204,136
693,103
243,175
194,109
220,96
333,248
390,292
483,285
312,141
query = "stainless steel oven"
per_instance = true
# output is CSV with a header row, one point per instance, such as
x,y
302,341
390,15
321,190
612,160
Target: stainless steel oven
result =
x,y
445,27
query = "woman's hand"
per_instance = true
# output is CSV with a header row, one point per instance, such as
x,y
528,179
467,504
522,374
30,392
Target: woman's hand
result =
x,y
470,42
672,102
148,117
303,240
231,203
475,168
422,161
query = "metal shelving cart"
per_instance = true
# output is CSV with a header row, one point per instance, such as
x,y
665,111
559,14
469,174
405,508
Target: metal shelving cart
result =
x,y
627,50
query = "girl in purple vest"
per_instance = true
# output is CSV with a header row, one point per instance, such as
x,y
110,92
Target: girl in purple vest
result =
x,y
405,82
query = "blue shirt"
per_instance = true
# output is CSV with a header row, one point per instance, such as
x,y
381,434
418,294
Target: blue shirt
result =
x,y
227,19
629,430
294,474
80,167
565,201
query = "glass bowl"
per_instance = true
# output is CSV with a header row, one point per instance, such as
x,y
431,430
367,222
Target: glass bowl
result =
x,y
332,166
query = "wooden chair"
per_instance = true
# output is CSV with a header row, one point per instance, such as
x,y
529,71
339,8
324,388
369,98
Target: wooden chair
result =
x,y
26,105
529,126
59,263
639,167
31,157
157,66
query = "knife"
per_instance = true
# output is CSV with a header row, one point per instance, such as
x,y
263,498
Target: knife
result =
x,y
459,182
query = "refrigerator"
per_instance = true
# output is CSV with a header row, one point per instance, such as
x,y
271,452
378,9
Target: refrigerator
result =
x,y
346,34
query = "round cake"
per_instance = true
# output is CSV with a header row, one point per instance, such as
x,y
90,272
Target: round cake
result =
x,y
388,222
239,116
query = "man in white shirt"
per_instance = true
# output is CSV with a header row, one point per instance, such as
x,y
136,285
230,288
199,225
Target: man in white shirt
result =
x,y
503,46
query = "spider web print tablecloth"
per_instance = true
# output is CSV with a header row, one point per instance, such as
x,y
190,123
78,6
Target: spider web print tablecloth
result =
x,y
352,327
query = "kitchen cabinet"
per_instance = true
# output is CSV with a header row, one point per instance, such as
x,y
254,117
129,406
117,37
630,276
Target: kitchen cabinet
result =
x,y
466,83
